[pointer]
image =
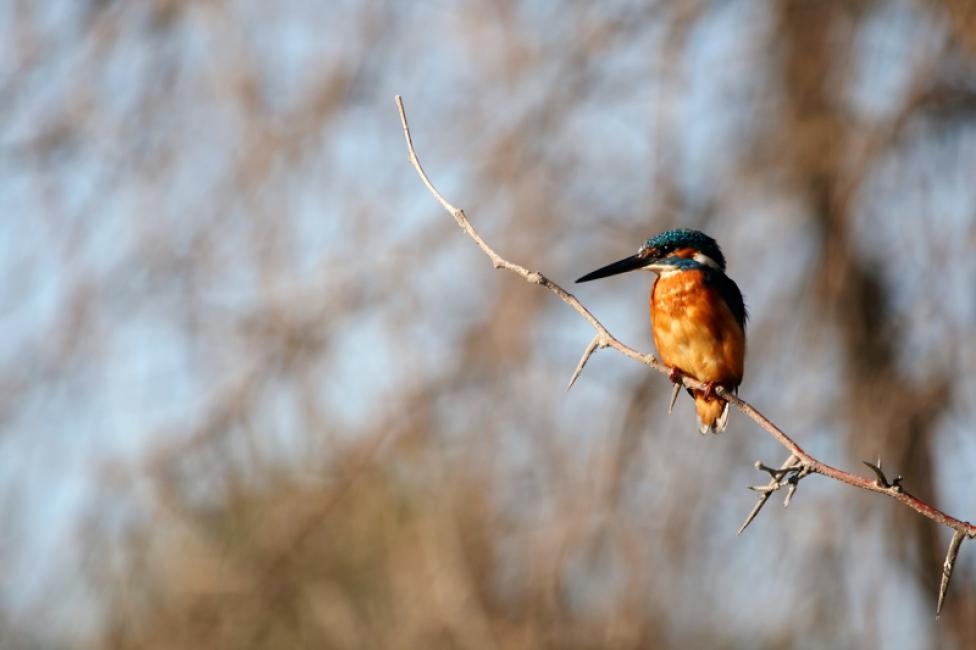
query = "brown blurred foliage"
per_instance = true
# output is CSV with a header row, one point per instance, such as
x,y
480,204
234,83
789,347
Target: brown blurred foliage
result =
x,y
293,406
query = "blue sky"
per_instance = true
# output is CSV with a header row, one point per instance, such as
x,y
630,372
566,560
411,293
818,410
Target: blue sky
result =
x,y
87,218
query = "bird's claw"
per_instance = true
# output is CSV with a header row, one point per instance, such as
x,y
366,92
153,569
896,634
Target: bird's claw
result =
x,y
709,391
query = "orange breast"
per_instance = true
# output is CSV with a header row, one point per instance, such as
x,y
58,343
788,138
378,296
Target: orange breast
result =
x,y
695,331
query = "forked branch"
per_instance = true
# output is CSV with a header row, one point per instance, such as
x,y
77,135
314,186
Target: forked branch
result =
x,y
797,466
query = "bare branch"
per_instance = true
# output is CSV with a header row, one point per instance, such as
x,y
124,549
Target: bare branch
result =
x,y
532,277
804,463
894,490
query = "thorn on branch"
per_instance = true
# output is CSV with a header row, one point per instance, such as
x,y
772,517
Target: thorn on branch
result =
x,y
881,480
792,482
599,341
775,474
677,378
674,397
755,511
792,468
947,567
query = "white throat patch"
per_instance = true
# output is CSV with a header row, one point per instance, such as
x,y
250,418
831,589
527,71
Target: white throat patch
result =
x,y
662,270
701,258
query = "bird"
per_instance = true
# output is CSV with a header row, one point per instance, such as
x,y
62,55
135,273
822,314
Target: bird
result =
x,y
698,317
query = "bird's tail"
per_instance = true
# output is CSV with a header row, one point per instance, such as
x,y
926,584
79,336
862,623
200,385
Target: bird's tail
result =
x,y
713,413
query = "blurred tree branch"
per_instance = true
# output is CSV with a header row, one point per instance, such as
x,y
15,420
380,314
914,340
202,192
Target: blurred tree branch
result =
x,y
797,466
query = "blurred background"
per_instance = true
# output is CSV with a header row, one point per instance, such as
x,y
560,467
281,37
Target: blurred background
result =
x,y
259,391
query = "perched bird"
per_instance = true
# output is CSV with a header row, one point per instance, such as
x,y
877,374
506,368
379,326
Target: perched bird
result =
x,y
697,316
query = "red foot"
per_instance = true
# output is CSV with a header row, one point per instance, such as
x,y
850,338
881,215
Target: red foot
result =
x,y
675,375
709,391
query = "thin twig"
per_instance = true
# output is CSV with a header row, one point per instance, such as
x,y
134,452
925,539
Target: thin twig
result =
x,y
605,339
532,277
894,491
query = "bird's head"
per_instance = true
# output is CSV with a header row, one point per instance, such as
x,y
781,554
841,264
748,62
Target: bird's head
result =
x,y
672,250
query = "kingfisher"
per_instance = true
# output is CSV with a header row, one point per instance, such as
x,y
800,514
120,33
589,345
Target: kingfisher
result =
x,y
698,317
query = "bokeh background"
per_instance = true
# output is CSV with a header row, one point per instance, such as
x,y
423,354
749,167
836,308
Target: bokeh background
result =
x,y
258,391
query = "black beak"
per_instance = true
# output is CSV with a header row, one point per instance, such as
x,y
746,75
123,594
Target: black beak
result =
x,y
622,266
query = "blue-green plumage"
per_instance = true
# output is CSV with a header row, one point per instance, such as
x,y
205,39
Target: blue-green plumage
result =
x,y
680,238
